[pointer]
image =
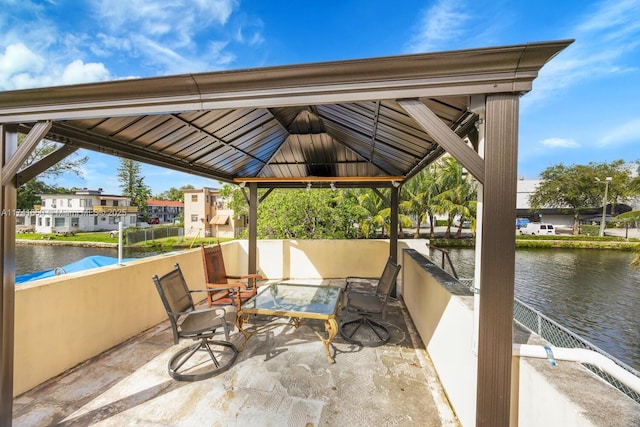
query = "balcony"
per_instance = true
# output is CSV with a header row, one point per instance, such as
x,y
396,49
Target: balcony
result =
x,y
106,360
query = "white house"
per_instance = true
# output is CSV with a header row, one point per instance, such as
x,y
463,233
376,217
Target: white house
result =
x,y
86,210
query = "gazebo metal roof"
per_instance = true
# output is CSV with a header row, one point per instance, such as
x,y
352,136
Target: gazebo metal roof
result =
x,y
333,119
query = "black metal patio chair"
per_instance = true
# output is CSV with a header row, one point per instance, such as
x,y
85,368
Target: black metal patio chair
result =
x,y
366,302
207,356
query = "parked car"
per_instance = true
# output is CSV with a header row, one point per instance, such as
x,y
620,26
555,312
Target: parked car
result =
x,y
154,221
537,228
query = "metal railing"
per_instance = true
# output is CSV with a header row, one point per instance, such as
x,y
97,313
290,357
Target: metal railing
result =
x,y
560,336
553,332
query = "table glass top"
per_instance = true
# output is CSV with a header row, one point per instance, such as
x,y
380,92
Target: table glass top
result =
x,y
294,298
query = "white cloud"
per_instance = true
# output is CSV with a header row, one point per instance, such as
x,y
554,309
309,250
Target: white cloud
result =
x,y
17,66
559,143
79,72
167,37
623,134
438,24
605,38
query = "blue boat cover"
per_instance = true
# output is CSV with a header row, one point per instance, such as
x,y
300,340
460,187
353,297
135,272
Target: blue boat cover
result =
x,y
84,264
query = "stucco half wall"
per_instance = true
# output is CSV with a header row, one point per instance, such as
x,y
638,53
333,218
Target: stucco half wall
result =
x,y
62,321
542,395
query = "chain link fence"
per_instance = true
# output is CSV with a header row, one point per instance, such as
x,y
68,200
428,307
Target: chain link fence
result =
x,y
153,233
554,333
560,336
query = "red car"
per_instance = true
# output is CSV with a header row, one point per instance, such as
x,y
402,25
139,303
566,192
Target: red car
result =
x,y
154,221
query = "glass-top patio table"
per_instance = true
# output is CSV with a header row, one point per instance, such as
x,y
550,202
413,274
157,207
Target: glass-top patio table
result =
x,y
297,302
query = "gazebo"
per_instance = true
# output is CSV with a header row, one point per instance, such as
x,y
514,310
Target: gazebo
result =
x,y
360,123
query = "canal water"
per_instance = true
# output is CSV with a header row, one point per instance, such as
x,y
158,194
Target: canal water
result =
x,y
594,293
32,258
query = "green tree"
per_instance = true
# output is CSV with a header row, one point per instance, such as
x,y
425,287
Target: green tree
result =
x,y
174,194
576,188
132,185
299,214
420,193
27,195
458,194
71,164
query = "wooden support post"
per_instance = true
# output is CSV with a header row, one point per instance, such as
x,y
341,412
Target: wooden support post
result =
x,y
8,147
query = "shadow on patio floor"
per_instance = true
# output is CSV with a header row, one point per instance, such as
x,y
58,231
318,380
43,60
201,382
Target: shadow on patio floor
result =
x,y
281,378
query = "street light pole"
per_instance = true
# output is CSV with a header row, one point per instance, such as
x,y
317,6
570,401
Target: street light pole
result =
x,y
607,180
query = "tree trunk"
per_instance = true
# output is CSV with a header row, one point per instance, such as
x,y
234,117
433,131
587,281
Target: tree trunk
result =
x,y
432,232
576,223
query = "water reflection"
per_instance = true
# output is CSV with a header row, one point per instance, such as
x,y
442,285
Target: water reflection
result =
x,y
594,293
32,258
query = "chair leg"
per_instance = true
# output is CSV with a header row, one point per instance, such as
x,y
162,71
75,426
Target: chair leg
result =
x,y
199,367
375,333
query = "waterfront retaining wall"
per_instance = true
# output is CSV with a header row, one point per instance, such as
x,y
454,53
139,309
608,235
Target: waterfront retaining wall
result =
x,y
542,395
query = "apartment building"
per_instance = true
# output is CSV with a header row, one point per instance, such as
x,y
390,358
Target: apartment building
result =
x,y
206,214
163,211
85,210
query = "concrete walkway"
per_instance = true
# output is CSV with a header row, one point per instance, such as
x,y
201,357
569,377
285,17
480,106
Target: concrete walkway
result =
x,y
282,378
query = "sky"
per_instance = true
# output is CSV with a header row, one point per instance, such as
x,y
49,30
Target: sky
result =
x,y
581,109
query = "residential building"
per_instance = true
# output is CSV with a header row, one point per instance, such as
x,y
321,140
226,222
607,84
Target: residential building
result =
x,y
85,210
161,211
206,214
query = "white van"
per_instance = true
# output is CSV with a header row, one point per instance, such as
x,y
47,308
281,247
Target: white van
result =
x,y
538,228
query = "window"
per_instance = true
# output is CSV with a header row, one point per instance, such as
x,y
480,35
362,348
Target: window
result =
x,y
103,202
44,202
47,222
69,203
113,219
20,220
115,203
59,222
194,197
132,220
194,218
40,221
83,203
75,222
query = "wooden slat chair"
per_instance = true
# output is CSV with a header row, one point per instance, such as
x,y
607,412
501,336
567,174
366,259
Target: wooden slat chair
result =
x,y
216,277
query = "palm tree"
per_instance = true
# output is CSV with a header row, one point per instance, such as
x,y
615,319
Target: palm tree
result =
x,y
419,193
458,197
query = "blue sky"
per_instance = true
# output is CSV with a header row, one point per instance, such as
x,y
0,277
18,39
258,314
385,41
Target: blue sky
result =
x,y
582,108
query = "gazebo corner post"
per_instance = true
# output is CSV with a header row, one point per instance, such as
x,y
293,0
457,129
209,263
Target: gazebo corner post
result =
x,y
497,272
253,228
393,233
8,147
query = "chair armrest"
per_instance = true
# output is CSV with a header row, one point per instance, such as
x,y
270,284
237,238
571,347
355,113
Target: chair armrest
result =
x,y
235,287
248,277
363,281
226,288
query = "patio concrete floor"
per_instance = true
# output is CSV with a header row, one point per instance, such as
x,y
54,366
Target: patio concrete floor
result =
x,y
281,378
